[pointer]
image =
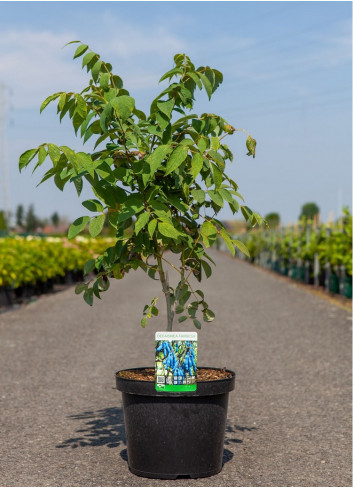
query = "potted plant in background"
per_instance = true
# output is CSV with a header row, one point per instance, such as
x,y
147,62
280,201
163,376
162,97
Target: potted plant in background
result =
x,y
160,179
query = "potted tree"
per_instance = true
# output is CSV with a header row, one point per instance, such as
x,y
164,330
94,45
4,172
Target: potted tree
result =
x,y
160,180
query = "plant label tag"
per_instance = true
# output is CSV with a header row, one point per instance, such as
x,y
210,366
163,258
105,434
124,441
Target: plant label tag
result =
x,y
175,361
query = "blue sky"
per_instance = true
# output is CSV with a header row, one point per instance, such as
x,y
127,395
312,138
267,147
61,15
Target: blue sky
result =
x,y
287,80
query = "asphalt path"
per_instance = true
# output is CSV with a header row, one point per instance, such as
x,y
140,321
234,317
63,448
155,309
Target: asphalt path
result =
x,y
289,417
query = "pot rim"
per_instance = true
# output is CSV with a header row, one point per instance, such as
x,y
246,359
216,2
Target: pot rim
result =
x,y
147,387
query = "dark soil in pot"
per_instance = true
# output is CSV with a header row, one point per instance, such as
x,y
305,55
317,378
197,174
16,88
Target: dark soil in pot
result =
x,y
203,374
171,434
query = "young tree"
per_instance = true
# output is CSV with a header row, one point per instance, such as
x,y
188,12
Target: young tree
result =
x,y
159,177
55,219
19,215
31,221
273,219
309,210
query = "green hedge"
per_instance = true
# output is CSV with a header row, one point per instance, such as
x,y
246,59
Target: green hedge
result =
x,y
29,260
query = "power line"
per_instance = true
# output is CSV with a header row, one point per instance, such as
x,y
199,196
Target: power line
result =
x,y
4,181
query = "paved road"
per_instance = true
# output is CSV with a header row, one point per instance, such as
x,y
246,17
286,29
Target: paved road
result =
x,y
289,419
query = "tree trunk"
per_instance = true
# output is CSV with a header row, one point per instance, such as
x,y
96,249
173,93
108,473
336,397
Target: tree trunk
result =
x,y
165,287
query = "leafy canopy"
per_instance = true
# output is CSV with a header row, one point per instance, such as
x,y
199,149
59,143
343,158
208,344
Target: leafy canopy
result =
x,y
159,177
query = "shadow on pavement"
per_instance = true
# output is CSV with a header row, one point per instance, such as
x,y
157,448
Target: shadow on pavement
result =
x,y
102,427
106,427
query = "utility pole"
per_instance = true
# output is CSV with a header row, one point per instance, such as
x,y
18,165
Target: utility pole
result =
x,y
4,168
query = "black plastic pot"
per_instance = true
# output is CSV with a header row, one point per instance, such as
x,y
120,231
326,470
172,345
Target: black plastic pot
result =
x,y
172,434
348,287
335,285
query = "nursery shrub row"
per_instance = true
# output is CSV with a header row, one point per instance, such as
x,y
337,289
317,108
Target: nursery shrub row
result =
x,y
37,262
315,254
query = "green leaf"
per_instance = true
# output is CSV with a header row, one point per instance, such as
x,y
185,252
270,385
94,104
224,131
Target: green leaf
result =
x,y
199,195
162,120
106,117
89,266
96,225
206,267
182,318
241,246
251,145
198,125
228,240
197,324
215,143
217,199
196,164
141,221
208,232
88,296
54,153
155,159
77,226
71,42
200,293
151,227
80,288
206,83
132,206
144,321
247,213
168,230
179,309
81,107
80,50
195,78
59,182
208,315
202,144
85,163
166,107
124,105
96,69
184,295
87,58
78,182
42,154
176,159
93,205
226,195
26,157
104,80
258,218
48,100
70,155
170,73
218,77
178,204
216,157
217,176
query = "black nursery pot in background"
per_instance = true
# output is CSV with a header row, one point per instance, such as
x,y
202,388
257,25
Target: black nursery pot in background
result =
x,y
171,434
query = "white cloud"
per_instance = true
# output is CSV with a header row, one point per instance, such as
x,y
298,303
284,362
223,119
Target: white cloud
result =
x,y
33,65
126,40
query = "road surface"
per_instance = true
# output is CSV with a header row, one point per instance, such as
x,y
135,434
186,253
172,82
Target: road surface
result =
x,y
289,417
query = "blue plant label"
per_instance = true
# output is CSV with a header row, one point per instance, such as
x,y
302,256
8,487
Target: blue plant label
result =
x,y
175,361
